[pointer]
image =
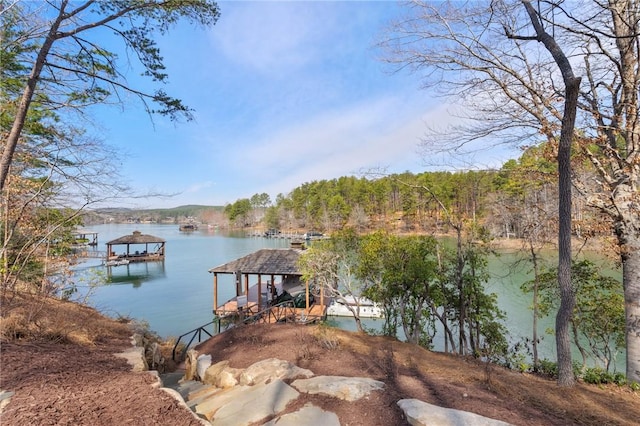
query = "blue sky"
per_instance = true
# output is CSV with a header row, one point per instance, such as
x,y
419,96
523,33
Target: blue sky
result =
x,y
284,93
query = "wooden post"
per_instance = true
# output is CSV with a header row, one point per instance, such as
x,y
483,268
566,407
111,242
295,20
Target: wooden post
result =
x,y
215,292
274,292
306,287
259,292
238,283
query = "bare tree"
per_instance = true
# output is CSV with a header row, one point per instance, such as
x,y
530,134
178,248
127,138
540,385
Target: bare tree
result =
x,y
529,201
64,58
51,171
510,92
331,270
54,66
571,92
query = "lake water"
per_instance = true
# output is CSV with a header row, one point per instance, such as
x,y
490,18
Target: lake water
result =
x,y
176,295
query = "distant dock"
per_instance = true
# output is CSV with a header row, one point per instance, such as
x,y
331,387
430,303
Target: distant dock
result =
x,y
282,235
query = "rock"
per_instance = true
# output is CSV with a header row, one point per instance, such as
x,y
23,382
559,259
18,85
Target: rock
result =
x,y
155,355
221,375
135,358
243,405
186,387
190,364
201,395
137,339
209,407
345,388
202,363
241,402
5,397
156,376
174,393
309,415
228,378
172,380
270,369
211,374
420,413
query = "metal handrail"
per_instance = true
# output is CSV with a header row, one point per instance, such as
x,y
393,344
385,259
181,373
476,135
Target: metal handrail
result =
x,y
286,310
196,332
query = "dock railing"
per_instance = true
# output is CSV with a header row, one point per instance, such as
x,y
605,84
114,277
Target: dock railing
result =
x,y
282,312
93,254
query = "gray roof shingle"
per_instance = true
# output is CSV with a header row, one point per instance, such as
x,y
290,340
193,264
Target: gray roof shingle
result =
x,y
136,238
264,261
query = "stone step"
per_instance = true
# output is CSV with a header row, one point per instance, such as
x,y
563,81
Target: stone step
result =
x,y
243,405
170,380
201,395
187,387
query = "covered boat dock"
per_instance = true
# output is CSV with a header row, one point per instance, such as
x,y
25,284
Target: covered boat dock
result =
x,y
276,272
83,237
139,248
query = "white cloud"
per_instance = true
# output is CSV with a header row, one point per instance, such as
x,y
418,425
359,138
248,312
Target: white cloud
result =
x,y
271,37
377,133
198,187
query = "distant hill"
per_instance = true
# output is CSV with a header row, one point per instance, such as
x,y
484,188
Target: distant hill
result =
x,y
187,210
166,215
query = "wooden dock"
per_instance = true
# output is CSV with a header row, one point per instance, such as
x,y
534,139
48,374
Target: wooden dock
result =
x,y
138,248
263,309
260,300
272,314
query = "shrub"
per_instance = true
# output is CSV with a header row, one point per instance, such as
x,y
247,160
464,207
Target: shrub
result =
x,y
599,376
547,368
596,376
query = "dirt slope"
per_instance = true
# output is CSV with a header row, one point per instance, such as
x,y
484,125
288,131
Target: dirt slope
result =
x,y
412,372
64,373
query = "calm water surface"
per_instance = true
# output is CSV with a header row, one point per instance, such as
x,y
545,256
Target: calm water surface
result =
x,y
176,295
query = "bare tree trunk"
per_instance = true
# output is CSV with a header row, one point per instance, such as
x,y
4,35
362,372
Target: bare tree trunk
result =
x,y
536,274
625,16
11,142
581,349
463,346
567,296
631,280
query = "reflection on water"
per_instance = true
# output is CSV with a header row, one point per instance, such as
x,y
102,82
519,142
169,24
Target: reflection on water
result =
x,y
135,273
176,295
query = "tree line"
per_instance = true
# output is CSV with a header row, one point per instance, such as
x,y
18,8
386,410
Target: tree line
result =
x,y
434,288
517,201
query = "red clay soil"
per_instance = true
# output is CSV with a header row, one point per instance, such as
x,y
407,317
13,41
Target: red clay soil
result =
x,y
412,372
85,384
68,384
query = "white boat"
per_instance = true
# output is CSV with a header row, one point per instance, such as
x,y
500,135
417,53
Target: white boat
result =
x,y
339,307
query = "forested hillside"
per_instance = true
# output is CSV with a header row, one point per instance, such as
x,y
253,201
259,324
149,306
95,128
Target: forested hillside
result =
x,y
519,200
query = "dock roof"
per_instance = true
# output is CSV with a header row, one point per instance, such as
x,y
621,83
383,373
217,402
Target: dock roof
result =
x,y
264,261
136,238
